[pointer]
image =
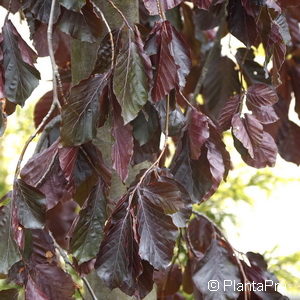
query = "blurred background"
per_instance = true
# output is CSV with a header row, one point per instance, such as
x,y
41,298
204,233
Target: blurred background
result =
x,y
259,210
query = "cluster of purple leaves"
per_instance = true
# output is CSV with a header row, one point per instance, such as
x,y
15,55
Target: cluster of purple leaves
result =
x,y
143,77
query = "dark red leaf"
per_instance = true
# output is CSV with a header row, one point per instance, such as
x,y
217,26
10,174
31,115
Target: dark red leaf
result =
x,y
171,68
232,106
81,115
152,5
261,94
47,282
122,149
198,131
43,171
248,131
41,9
168,281
118,264
157,233
31,205
241,24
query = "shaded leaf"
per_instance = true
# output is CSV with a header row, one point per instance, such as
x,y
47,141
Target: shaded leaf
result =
x,y
221,82
157,233
164,41
232,106
122,149
83,25
9,252
31,205
168,281
41,9
73,5
217,264
198,131
241,24
248,131
152,7
80,116
47,282
130,81
261,94
118,264
43,171
21,78
145,125
88,230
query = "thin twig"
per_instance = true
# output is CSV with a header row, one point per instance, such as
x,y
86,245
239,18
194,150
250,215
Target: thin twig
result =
x,y
121,14
109,32
51,54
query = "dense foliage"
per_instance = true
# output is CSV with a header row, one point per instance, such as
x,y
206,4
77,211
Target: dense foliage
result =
x,y
131,81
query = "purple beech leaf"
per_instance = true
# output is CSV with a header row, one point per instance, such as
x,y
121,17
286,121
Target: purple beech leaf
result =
x,y
157,233
261,94
43,172
264,155
31,205
231,107
145,280
264,114
165,192
248,131
218,159
118,263
198,131
165,78
220,83
20,77
182,56
288,142
172,59
80,116
42,249
168,281
83,25
9,252
88,230
130,81
217,263
152,6
200,233
122,149
275,48
41,9
67,160
73,5
241,24
47,282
